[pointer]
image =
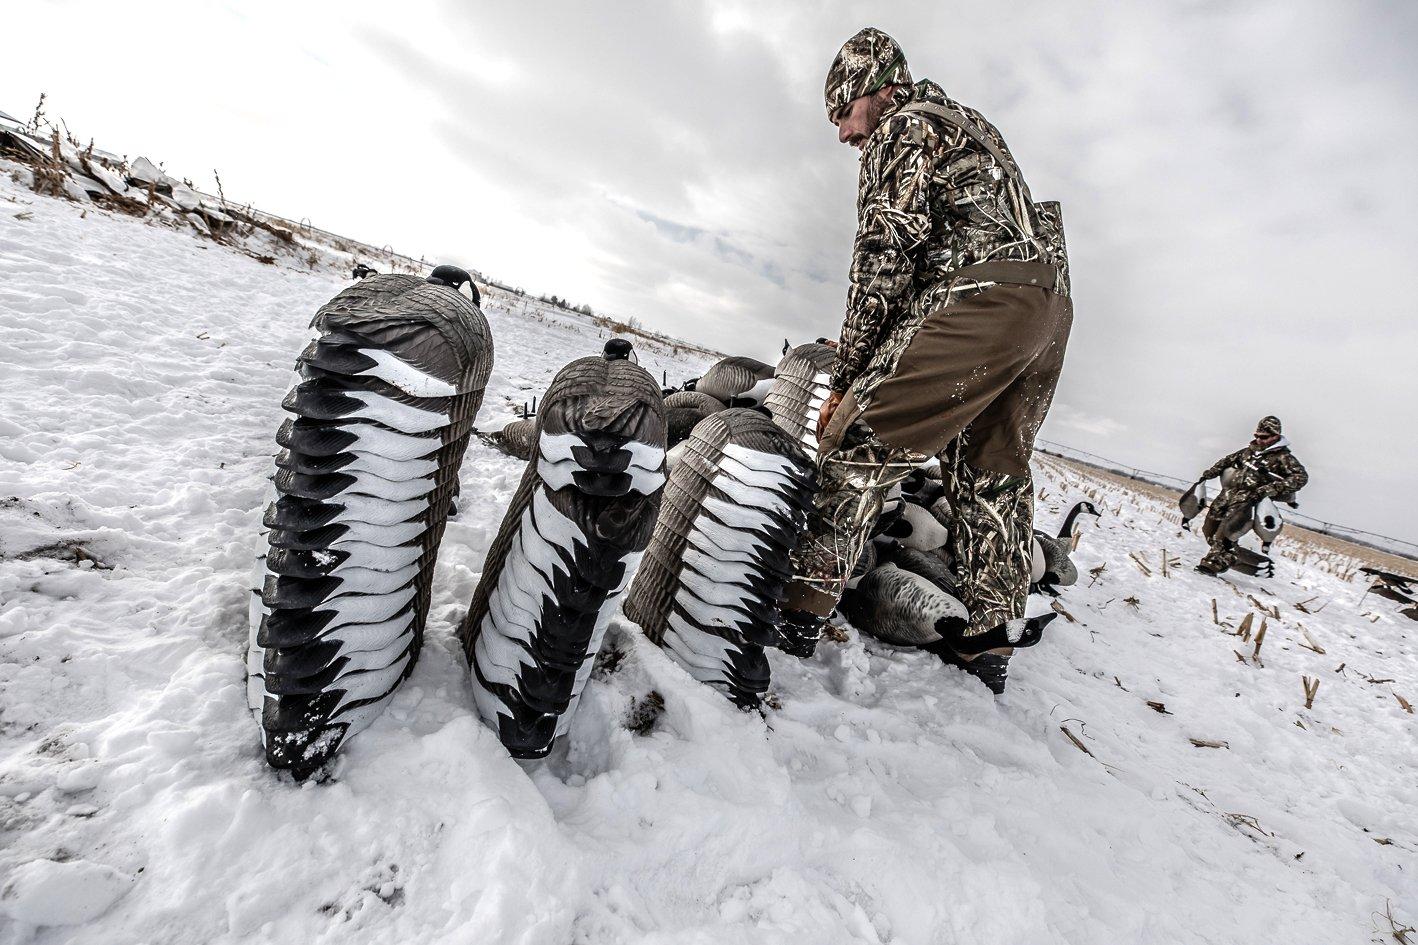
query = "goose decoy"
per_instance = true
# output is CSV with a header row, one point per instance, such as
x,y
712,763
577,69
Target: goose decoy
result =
x,y
737,381
694,400
1266,523
1191,503
383,405
685,408
1256,565
709,590
910,600
1395,587
516,439
1050,564
920,527
800,388
572,537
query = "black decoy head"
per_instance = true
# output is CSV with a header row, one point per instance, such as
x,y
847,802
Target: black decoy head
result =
x,y
618,349
455,278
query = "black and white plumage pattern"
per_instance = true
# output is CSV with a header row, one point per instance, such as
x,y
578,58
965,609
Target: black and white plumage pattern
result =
x,y
710,588
737,381
383,404
572,537
801,384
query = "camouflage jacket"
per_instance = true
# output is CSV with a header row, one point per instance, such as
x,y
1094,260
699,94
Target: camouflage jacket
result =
x,y
930,200
1261,473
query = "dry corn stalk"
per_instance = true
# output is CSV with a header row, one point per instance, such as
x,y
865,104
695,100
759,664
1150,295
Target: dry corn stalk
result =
x,y
1310,643
1260,638
1312,688
1244,630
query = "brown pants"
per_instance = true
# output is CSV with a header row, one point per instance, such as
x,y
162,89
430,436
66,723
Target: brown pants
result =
x,y
978,376
986,366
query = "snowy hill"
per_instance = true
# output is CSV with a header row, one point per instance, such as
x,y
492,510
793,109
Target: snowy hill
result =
x,y
886,799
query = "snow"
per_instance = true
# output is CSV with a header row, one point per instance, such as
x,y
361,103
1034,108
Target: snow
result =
x,y
887,799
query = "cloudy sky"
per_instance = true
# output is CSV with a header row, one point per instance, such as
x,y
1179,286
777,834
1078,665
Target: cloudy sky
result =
x,y
1238,178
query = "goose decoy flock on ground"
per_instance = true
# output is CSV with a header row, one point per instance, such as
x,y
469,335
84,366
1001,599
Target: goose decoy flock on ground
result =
x,y
571,539
710,484
710,588
383,404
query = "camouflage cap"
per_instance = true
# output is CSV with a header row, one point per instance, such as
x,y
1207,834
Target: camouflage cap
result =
x,y
1269,425
864,64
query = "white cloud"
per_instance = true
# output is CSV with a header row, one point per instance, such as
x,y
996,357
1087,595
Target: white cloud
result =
x,y
1236,177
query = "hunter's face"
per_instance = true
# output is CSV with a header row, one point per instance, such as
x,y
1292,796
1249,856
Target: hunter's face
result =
x,y
857,119
1265,439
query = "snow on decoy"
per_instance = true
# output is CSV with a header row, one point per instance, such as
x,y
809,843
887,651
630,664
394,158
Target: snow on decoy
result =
x,y
1051,564
800,388
737,381
710,588
572,537
384,401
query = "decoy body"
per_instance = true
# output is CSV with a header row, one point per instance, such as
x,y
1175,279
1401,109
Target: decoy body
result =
x,y
910,600
383,403
710,587
572,537
1191,503
737,381
516,439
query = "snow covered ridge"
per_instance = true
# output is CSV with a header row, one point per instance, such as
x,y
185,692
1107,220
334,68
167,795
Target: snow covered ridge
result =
x,y
888,799
36,156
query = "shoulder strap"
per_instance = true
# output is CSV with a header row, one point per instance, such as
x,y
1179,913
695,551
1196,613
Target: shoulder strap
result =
x,y
959,120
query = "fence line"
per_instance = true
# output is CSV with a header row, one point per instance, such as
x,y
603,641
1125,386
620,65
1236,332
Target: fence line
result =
x,y
1380,542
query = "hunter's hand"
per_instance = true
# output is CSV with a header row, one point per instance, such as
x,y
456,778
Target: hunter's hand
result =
x,y
829,407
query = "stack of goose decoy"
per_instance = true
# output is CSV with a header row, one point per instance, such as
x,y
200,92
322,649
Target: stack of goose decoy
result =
x,y
384,401
800,388
709,589
736,381
571,539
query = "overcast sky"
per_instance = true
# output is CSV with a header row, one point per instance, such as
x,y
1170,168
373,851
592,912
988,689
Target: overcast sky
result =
x,y
1238,178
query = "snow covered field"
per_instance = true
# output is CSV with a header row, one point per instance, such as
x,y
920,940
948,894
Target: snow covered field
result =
x,y
888,799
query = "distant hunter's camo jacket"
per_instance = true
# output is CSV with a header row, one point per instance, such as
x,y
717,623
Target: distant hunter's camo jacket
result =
x,y
929,200
1269,473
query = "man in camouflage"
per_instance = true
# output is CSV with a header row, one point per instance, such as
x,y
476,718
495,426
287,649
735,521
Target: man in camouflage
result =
x,y
956,323
1263,469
